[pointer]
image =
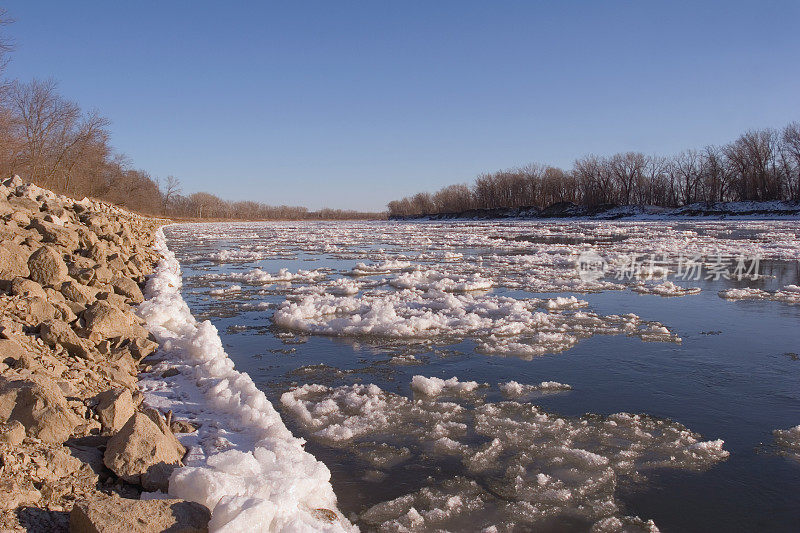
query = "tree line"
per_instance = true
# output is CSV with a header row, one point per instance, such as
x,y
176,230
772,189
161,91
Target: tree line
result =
x,y
760,165
49,140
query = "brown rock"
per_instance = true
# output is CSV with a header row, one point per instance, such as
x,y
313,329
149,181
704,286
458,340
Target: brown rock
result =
x,y
38,310
55,234
26,287
111,514
106,321
47,267
24,204
40,407
182,426
15,494
102,274
11,350
128,288
61,463
114,408
12,432
55,332
65,312
142,347
76,292
13,261
143,453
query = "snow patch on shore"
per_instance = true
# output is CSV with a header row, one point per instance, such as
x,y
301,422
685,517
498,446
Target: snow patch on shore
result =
x,y
243,463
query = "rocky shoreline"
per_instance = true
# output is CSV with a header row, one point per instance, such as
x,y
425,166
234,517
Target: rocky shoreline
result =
x,y
77,445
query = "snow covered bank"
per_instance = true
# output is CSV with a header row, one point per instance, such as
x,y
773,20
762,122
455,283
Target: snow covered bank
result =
x,y
243,463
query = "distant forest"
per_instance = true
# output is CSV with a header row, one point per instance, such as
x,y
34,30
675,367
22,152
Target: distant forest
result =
x,y
760,165
52,142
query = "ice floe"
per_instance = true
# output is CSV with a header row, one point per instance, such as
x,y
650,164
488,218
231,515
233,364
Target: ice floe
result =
x,y
788,441
499,325
667,288
515,390
434,386
789,294
521,466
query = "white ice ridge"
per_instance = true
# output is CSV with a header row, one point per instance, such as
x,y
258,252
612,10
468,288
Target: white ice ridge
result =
x,y
790,294
525,468
263,480
499,325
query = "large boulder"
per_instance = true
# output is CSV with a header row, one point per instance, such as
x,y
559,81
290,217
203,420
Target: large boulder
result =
x,y
40,406
144,451
26,287
21,203
38,309
12,432
13,261
47,266
11,350
112,514
55,332
98,251
114,408
78,293
105,320
127,288
58,235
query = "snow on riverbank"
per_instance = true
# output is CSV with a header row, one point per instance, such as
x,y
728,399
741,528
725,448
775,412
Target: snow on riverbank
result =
x,y
243,463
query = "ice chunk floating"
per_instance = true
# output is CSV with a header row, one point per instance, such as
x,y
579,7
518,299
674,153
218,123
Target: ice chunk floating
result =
x,y
522,466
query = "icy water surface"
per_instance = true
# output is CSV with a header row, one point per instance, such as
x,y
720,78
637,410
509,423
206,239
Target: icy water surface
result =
x,y
581,403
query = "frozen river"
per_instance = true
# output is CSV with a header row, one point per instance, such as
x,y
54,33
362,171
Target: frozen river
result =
x,y
559,376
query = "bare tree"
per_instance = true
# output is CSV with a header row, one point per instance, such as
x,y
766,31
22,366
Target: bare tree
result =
x,y
790,145
170,189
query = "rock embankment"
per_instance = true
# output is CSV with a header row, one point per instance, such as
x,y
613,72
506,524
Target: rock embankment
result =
x,y
77,446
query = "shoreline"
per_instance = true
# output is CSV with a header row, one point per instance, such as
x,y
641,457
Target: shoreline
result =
x,y
77,444
773,210
81,446
243,463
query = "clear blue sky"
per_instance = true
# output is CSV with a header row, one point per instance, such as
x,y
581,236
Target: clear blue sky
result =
x,y
352,104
